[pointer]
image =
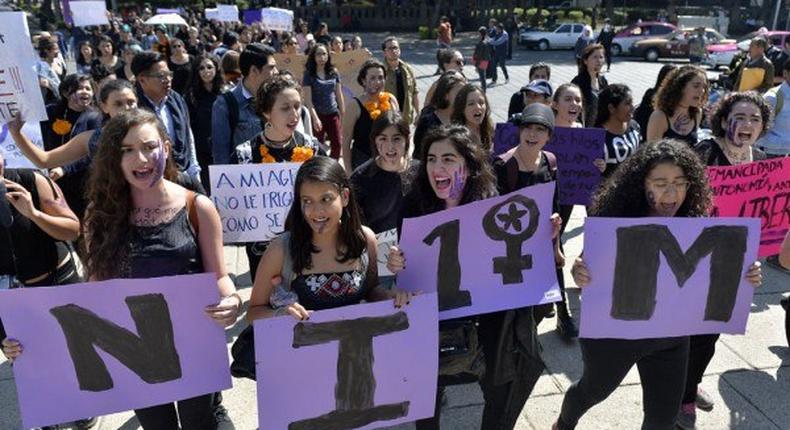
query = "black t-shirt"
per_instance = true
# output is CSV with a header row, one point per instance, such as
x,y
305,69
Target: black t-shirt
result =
x,y
182,74
542,175
400,89
379,193
711,153
620,146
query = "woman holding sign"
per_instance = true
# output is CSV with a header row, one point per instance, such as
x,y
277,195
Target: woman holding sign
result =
x,y
454,171
662,179
737,121
326,258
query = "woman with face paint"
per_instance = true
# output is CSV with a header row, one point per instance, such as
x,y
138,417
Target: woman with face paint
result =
x,y
738,120
590,80
64,117
141,224
360,113
471,109
331,255
615,115
205,87
662,179
678,106
279,104
381,182
453,171
439,109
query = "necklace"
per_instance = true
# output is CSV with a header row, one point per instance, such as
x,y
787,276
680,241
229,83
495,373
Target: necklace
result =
x,y
276,144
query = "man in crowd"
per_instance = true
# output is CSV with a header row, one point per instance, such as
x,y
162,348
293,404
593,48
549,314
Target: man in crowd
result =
x,y
776,142
756,60
154,80
400,80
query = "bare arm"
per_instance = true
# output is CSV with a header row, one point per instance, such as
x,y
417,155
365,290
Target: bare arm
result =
x,y
70,152
341,101
55,217
656,126
349,119
269,267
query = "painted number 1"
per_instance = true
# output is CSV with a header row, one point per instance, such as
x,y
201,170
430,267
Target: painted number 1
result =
x,y
448,270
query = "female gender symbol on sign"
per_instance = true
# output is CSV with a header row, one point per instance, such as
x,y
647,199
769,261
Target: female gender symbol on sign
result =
x,y
506,222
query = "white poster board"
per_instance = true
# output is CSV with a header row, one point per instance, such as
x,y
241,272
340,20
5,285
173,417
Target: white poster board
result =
x,y
252,199
14,159
228,12
19,90
276,19
384,241
211,13
85,13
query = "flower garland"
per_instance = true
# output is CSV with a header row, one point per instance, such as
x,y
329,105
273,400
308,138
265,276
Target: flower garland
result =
x,y
376,108
299,154
61,127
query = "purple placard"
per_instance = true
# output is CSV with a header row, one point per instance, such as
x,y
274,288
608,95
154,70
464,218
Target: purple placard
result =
x,y
531,276
298,383
66,9
677,311
252,16
576,148
505,137
45,375
162,10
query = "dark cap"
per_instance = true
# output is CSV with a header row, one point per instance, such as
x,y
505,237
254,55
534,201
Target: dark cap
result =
x,y
536,113
539,86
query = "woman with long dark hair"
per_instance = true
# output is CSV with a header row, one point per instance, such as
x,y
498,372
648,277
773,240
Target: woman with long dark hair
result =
x,y
105,50
323,95
590,80
471,109
328,248
439,109
180,63
615,115
454,171
84,57
645,108
678,106
662,179
204,88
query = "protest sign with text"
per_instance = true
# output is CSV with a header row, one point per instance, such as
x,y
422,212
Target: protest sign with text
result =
x,y
664,277
575,149
227,13
275,19
252,199
362,366
87,13
14,158
19,89
484,256
104,347
760,190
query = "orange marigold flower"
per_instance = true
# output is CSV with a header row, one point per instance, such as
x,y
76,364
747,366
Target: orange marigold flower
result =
x,y
61,127
301,153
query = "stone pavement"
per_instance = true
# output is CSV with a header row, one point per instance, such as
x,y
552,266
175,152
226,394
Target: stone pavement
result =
x,y
749,376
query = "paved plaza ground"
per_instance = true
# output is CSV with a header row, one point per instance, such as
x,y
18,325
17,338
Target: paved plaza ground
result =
x,y
749,376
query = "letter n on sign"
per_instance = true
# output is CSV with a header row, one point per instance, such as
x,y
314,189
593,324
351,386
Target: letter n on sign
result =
x,y
104,347
662,277
353,364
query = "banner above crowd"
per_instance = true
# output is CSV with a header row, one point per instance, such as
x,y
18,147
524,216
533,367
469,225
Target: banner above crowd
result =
x,y
19,86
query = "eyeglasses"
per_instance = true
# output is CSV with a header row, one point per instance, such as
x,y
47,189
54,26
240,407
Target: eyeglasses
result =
x,y
664,186
162,76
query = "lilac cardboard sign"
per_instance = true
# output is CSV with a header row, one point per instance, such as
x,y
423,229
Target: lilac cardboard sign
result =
x,y
663,277
484,256
357,367
576,148
103,347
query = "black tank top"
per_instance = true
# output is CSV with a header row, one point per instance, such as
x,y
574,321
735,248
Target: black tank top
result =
x,y
690,138
166,249
317,291
26,251
361,133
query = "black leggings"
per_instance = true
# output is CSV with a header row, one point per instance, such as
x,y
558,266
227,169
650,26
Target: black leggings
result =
x,y
701,350
196,413
662,370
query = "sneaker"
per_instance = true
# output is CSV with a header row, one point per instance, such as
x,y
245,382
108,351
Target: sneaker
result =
x,y
86,424
566,328
704,401
687,417
222,418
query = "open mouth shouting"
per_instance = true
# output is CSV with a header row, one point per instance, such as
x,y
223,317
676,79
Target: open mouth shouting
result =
x,y
319,224
144,174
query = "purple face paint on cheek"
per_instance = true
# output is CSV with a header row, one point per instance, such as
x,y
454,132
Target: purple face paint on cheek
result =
x,y
159,164
459,182
732,128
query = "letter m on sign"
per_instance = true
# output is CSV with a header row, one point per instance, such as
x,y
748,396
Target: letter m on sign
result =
x,y
151,353
637,266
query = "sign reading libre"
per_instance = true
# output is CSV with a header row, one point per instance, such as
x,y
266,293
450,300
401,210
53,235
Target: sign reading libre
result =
x,y
104,347
484,256
253,199
760,190
352,362
667,276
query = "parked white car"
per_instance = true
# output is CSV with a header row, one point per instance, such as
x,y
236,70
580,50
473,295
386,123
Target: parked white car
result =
x,y
563,36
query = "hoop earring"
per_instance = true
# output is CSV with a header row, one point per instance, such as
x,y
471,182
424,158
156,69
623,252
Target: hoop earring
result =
x,y
268,125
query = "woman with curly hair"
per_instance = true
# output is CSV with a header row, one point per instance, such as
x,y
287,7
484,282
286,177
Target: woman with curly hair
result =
x,y
678,106
737,120
141,224
645,108
662,179
323,95
471,109
453,171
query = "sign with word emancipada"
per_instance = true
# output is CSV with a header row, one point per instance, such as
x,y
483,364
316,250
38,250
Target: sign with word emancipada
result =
x,y
19,90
